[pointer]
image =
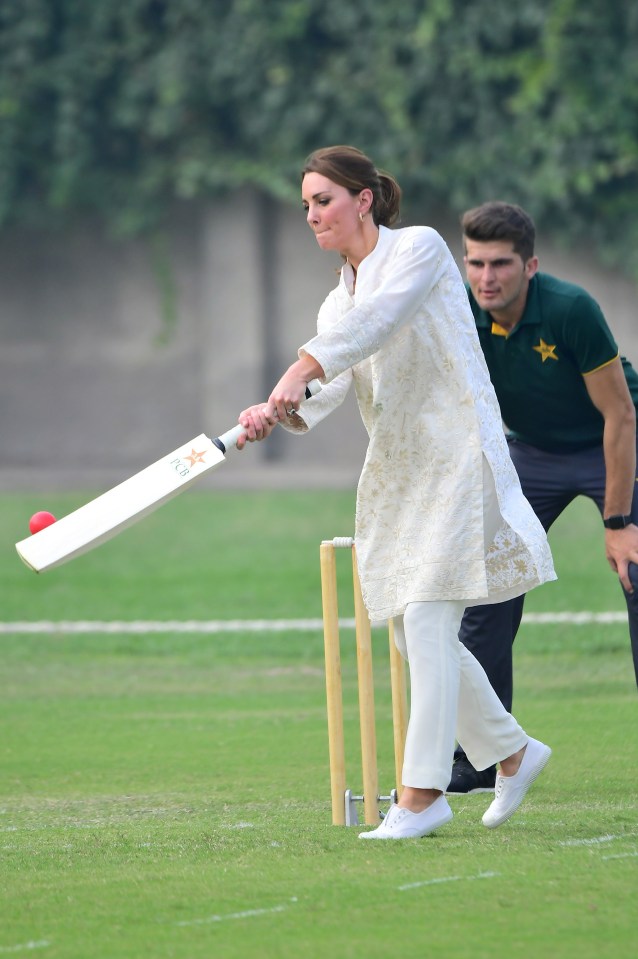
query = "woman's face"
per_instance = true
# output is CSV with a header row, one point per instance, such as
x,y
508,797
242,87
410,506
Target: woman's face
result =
x,y
332,212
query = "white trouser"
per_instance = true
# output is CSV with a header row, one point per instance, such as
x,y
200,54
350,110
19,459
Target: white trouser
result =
x,y
450,695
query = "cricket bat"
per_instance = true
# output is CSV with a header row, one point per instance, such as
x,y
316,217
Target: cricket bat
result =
x,y
109,514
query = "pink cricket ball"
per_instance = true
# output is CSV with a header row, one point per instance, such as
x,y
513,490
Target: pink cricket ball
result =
x,y
40,521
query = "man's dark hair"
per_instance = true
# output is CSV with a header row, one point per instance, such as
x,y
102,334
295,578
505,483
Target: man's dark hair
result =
x,y
501,221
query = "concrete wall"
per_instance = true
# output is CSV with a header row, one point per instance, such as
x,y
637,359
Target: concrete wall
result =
x,y
95,383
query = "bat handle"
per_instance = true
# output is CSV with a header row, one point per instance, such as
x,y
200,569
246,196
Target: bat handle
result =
x,y
230,437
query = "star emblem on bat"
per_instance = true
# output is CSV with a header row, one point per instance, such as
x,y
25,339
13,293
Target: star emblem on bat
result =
x,y
195,457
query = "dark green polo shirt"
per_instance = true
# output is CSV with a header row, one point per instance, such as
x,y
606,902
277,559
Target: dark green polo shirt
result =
x,y
538,369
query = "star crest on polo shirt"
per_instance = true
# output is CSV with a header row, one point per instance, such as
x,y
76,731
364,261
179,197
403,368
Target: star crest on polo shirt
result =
x,y
546,351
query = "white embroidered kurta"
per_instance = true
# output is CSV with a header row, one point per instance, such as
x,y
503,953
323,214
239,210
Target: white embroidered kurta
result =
x,y
407,338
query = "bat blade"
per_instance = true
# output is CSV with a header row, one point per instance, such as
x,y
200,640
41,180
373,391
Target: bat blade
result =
x,y
125,504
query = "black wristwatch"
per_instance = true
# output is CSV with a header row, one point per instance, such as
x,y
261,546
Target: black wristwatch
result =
x,y
616,522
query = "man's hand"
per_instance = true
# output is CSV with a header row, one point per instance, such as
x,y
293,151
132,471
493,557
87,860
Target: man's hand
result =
x,y
621,548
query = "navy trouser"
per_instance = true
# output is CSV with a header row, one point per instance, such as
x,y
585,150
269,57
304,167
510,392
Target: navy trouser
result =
x,y
550,481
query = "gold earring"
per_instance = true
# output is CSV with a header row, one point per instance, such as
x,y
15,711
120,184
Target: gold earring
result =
x,y
362,217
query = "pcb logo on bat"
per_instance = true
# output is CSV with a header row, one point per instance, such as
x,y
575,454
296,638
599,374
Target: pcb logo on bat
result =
x,y
180,464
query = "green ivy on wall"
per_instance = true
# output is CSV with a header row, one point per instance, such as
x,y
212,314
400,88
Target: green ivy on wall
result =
x,y
119,109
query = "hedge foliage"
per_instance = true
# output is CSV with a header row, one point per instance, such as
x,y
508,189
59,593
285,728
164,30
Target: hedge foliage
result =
x,y
119,108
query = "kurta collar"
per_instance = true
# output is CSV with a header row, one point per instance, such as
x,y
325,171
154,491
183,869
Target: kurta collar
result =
x,y
383,242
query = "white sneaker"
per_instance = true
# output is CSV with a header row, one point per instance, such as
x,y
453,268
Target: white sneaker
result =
x,y
403,824
510,790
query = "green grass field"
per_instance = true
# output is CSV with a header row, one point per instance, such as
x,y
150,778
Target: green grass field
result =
x,y
167,795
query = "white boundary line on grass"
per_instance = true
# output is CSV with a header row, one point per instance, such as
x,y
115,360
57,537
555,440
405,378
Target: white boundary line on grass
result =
x,y
212,626
435,882
593,841
244,914
25,946
597,840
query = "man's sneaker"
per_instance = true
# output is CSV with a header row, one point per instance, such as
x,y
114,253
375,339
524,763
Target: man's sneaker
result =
x,y
510,790
466,779
403,824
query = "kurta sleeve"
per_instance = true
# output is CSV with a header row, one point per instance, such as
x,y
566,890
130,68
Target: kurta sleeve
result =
x,y
316,409
418,262
332,394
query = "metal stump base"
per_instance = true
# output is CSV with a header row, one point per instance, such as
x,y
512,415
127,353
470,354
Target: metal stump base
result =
x,y
350,806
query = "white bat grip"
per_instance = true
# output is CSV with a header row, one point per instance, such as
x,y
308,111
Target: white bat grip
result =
x,y
230,437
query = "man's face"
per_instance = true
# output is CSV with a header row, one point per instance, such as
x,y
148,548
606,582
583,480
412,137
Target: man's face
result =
x,y
498,277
